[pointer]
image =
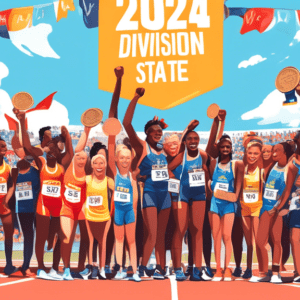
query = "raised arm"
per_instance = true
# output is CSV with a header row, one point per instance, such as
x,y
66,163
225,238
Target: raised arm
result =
x,y
112,169
216,129
192,125
66,160
135,141
83,140
113,112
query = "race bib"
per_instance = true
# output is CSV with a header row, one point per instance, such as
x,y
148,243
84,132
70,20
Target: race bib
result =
x,y
3,188
221,186
24,191
122,197
250,197
173,186
159,173
51,188
196,178
95,200
270,194
73,194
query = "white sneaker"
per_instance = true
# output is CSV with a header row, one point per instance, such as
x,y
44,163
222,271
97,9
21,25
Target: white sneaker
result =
x,y
41,274
205,276
260,279
297,279
254,279
136,277
276,279
118,276
54,275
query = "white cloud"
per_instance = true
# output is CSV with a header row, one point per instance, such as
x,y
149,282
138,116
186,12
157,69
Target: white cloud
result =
x,y
272,111
254,60
296,39
35,38
287,57
3,71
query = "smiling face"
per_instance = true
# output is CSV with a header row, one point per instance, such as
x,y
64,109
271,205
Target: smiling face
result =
x,y
225,148
154,133
3,148
80,160
99,167
267,152
171,145
123,158
253,155
278,152
192,141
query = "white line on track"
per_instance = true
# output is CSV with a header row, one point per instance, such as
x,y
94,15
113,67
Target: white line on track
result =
x,y
16,281
174,291
293,285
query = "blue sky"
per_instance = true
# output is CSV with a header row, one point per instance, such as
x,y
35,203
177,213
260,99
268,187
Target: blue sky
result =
x,y
75,74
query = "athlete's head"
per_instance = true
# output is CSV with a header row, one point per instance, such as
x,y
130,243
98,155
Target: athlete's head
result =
x,y
253,151
45,135
60,142
123,157
99,165
267,152
54,152
3,147
80,159
98,148
192,140
23,164
154,131
225,146
126,142
293,144
282,149
171,144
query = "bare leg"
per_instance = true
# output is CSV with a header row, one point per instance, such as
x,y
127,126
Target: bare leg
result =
x,y
226,225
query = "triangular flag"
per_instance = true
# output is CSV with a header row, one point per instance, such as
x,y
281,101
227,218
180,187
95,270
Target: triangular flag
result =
x,y
63,7
43,105
12,124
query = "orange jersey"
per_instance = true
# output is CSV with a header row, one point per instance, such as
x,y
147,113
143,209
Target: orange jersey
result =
x,y
4,176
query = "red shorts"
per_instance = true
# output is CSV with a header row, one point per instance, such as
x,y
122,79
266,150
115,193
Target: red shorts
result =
x,y
67,211
3,209
52,210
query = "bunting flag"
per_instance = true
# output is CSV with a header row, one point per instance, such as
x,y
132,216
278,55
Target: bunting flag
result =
x,y
12,124
44,104
90,12
30,26
264,19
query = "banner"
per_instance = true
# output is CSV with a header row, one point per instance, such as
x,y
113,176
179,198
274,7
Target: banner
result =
x,y
173,49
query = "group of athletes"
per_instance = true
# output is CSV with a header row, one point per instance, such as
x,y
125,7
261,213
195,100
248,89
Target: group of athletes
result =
x,y
145,194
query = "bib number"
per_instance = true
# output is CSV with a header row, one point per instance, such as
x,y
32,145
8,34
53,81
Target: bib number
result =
x,y
173,186
197,178
51,189
23,191
159,173
122,197
270,194
72,195
95,200
221,187
3,188
250,197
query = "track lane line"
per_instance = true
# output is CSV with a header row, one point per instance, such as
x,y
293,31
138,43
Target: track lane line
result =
x,y
16,281
174,290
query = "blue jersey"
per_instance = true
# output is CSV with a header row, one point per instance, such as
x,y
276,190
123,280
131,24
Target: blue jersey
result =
x,y
123,196
223,179
274,186
27,191
192,180
155,167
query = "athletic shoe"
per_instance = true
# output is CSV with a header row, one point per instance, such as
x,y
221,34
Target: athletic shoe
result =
x,y
54,275
237,272
204,275
270,273
101,274
218,275
260,279
297,279
247,274
84,274
119,276
158,274
196,275
124,272
227,274
94,274
136,277
67,274
209,272
9,270
107,270
41,274
180,275
254,279
276,279
189,271
129,271
142,271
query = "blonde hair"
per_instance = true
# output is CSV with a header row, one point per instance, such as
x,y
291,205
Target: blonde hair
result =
x,y
99,156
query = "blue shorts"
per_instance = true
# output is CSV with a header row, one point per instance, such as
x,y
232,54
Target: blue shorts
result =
x,y
124,217
160,199
221,207
188,201
265,208
294,219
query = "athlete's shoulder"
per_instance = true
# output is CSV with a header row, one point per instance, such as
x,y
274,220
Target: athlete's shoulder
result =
x,y
110,183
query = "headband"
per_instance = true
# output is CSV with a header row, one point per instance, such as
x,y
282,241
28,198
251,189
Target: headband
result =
x,y
254,141
155,121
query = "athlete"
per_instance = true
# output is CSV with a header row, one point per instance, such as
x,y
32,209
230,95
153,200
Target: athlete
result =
x,y
225,185
270,225
251,198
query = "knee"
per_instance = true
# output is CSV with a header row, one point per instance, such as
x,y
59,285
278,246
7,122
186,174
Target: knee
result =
x,y
227,238
294,239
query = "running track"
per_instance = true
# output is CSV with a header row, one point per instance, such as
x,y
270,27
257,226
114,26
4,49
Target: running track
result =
x,y
32,289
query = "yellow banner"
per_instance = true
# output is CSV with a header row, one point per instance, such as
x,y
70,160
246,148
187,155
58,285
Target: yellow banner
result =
x,y
172,48
20,18
63,7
